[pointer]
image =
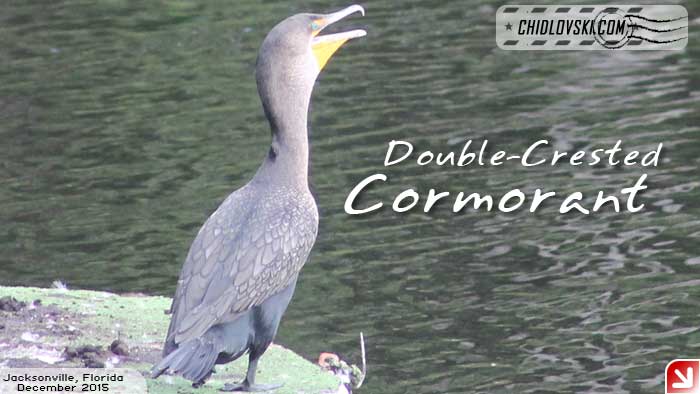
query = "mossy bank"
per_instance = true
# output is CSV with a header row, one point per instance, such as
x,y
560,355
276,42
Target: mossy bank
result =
x,y
58,327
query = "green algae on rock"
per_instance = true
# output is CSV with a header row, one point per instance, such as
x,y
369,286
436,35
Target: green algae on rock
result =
x,y
58,327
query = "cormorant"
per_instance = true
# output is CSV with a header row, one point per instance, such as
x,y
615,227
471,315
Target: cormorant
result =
x,y
242,267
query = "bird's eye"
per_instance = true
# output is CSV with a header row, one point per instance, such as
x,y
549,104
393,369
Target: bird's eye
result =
x,y
315,26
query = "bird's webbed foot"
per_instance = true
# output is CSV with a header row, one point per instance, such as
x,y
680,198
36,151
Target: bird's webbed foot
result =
x,y
244,386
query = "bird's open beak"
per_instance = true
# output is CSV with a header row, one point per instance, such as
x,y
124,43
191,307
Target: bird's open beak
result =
x,y
324,46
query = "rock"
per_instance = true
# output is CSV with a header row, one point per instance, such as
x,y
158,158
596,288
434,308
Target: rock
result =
x,y
10,304
119,348
96,318
93,363
90,355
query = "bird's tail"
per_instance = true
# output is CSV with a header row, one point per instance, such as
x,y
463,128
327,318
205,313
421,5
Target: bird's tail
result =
x,y
194,360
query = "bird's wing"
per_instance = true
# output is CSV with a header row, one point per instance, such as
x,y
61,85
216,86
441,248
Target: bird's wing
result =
x,y
247,251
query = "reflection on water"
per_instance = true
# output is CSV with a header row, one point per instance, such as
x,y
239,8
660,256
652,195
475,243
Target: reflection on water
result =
x,y
124,124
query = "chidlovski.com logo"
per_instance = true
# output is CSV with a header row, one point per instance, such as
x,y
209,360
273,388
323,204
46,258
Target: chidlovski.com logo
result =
x,y
592,27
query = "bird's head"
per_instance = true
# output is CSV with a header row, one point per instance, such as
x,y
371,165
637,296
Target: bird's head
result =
x,y
296,50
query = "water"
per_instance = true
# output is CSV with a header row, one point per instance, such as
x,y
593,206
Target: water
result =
x,y
124,124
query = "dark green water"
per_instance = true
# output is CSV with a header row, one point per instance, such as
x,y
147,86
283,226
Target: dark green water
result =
x,y
125,123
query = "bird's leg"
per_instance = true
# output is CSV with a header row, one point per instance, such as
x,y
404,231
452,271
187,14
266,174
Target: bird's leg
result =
x,y
201,382
248,385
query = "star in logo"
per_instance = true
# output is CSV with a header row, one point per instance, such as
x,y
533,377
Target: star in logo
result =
x,y
509,26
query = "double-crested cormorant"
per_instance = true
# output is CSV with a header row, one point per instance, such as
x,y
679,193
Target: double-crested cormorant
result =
x,y
242,267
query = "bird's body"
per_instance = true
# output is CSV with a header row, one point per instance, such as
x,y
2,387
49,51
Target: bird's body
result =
x,y
241,269
239,276
253,246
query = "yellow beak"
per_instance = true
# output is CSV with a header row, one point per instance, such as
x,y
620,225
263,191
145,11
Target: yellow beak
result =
x,y
323,47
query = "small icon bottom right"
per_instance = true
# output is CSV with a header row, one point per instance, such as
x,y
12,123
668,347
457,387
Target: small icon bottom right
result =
x,y
683,376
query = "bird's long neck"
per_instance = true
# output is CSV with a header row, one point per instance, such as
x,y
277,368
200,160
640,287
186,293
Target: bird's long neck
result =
x,y
286,107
